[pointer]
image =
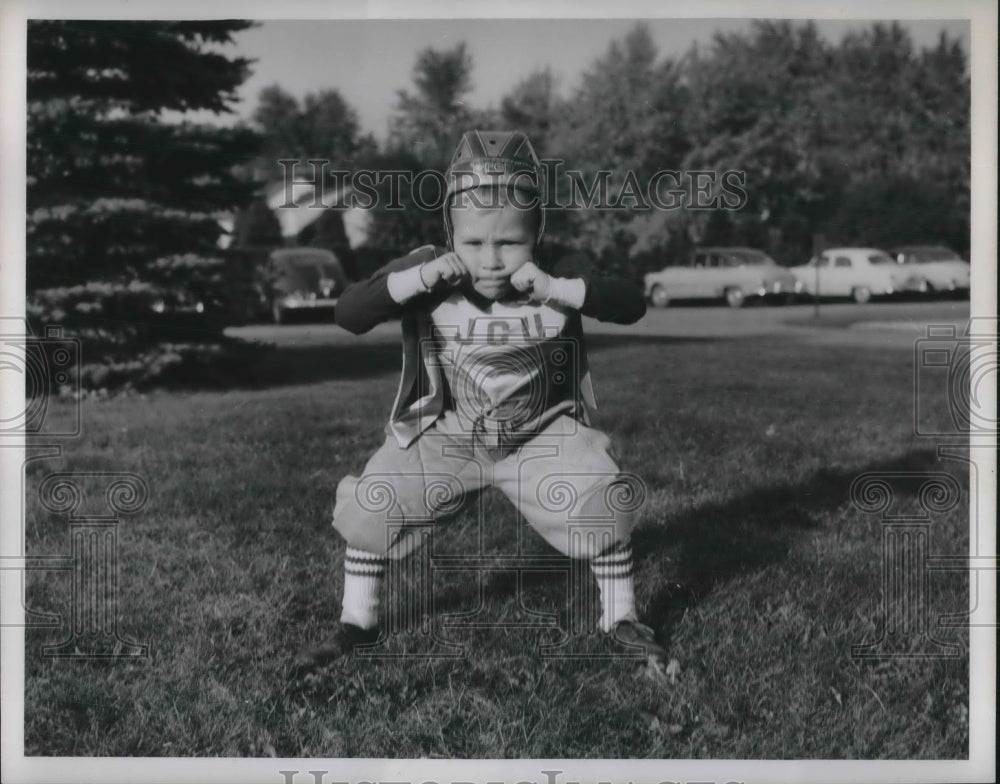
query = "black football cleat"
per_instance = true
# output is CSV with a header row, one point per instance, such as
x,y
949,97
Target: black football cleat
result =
x,y
339,644
639,635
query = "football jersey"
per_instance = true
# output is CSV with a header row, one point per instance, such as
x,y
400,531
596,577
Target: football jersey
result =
x,y
507,372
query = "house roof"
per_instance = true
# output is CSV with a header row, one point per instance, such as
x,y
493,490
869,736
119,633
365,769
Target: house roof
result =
x,y
301,205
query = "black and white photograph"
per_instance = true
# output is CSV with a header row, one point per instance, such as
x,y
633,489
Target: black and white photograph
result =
x,y
478,393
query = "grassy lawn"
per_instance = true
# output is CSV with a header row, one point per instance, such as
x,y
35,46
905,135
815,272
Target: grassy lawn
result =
x,y
748,449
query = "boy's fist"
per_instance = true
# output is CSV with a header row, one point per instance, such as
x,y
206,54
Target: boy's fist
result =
x,y
528,278
448,268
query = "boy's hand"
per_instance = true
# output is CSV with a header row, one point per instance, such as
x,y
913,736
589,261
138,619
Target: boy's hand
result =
x,y
448,268
528,278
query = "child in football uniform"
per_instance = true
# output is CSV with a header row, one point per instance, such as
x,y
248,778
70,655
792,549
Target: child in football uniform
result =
x,y
495,390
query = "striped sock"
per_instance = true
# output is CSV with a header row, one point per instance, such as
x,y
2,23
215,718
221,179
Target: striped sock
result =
x,y
613,570
364,574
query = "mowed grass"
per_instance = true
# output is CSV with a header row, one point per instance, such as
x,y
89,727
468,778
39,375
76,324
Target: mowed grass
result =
x,y
748,450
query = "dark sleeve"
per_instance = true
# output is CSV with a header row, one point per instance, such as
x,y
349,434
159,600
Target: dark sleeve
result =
x,y
607,298
368,303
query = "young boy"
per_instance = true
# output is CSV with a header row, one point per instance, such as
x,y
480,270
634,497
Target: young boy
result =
x,y
495,390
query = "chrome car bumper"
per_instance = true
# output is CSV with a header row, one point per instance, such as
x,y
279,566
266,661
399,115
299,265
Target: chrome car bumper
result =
x,y
295,303
778,287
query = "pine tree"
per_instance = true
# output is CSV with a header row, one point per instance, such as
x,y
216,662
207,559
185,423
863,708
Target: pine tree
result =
x,y
257,227
123,204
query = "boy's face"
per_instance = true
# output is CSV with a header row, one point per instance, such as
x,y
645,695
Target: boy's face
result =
x,y
493,242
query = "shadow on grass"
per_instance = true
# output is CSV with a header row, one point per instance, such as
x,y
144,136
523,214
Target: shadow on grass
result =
x,y
713,543
295,365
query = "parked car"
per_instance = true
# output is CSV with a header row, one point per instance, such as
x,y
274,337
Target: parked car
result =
x,y
937,268
733,274
180,315
301,281
179,303
859,273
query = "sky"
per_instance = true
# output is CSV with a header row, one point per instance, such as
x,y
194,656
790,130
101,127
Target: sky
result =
x,y
370,60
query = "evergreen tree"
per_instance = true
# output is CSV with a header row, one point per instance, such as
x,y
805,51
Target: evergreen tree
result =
x,y
257,226
123,204
328,232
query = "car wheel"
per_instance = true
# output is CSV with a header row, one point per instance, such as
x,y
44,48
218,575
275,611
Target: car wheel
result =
x,y
659,297
861,294
735,298
278,313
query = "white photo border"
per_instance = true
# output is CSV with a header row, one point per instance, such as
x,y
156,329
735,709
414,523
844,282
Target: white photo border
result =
x,y
980,766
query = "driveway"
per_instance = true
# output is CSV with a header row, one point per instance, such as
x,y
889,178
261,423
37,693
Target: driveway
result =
x,y
888,324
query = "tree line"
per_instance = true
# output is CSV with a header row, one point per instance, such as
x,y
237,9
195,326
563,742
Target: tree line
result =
x,y
865,140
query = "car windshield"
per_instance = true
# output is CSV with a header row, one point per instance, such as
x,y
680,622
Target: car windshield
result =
x,y
307,271
880,258
303,259
752,257
937,253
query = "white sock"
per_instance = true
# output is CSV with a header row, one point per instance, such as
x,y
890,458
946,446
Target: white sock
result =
x,y
364,574
614,572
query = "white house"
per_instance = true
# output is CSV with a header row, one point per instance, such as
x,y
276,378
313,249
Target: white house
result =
x,y
301,207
